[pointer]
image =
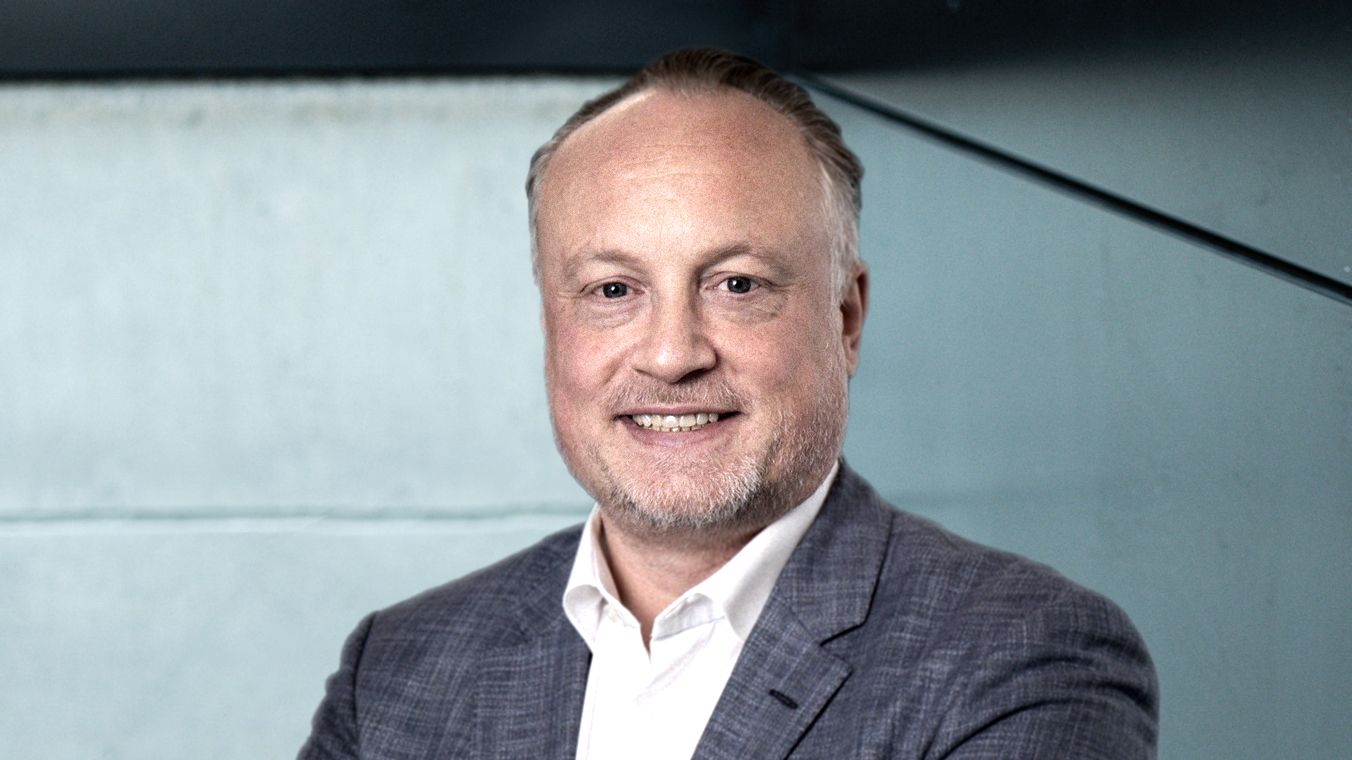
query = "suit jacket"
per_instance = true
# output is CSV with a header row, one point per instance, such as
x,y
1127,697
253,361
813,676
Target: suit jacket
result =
x,y
885,637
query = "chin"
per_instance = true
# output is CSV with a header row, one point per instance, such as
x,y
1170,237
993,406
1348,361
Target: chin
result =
x,y
728,495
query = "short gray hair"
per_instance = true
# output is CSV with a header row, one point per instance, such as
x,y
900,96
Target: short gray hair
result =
x,y
708,70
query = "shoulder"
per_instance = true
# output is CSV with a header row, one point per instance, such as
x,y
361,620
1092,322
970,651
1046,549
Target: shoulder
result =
x,y
1032,659
494,605
932,574
1008,649
972,597
971,583
414,659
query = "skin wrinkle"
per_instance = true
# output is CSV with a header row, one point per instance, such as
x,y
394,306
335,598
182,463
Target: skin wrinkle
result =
x,y
669,173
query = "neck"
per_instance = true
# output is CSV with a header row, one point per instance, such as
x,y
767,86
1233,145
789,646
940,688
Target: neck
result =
x,y
651,572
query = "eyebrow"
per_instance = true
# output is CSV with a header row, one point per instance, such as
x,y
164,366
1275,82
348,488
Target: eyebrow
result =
x,y
709,258
761,254
607,256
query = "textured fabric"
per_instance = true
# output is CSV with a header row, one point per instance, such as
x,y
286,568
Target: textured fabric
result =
x,y
654,702
884,637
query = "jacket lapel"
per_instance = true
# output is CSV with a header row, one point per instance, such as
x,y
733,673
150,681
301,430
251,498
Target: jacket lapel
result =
x,y
781,682
529,691
785,677
530,696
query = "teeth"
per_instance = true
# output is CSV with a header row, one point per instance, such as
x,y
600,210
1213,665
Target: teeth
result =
x,y
672,423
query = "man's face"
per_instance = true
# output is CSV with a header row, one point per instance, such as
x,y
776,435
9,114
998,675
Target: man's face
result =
x,y
697,355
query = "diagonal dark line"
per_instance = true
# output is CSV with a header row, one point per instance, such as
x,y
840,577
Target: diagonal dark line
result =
x,y
1225,246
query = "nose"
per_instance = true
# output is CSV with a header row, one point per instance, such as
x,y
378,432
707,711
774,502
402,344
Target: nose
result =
x,y
675,345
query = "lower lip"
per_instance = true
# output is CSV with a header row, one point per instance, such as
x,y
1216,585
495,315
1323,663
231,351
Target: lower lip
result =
x,y
709,432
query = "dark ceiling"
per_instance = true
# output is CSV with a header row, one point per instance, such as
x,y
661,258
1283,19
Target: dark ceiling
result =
x,y
93,38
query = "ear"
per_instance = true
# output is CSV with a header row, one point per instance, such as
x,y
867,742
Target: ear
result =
x,y
853,307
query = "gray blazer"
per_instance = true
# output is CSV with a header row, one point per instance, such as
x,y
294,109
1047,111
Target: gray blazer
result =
x,y
885,637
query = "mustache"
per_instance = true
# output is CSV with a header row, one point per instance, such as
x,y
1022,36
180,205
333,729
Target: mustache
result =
x,y
706,394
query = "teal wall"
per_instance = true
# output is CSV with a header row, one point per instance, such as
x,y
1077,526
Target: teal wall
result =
x,y
1157,422
269,359
1239,125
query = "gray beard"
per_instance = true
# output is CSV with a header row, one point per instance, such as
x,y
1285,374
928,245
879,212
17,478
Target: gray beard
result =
x,y
747,501
738,498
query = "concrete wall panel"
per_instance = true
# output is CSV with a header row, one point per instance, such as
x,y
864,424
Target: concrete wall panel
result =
x,y
1239,127
260,296
228,311
1156,421
144,639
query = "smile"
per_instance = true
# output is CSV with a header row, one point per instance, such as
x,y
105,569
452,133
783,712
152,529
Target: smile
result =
x,y
674,423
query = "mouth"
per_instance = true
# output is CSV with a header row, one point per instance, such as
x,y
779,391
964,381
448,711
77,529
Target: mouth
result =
x,y
676,423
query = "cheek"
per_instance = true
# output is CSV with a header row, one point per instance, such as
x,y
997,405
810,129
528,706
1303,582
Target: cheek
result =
x,y
796,351
777,365
578,361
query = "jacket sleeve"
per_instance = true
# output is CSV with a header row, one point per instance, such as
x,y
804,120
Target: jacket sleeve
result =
x,y
333,731
1072,680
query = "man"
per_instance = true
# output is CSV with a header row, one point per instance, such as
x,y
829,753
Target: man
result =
x,y
737,592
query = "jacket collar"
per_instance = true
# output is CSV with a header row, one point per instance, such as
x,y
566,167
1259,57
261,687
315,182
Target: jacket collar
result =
x,y
828,582
785,677
530,690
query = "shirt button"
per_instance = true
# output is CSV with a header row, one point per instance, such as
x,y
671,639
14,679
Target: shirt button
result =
x,y
612,615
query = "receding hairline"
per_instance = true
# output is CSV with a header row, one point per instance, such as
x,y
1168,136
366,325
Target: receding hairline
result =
x,y
599,119
713,71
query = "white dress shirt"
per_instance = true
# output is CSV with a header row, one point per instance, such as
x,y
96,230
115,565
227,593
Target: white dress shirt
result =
x,y
653,703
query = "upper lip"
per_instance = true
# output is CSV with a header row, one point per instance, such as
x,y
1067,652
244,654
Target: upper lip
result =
x,y
674,411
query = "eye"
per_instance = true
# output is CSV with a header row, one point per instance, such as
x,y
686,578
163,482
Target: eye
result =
x,y
739,284
614,290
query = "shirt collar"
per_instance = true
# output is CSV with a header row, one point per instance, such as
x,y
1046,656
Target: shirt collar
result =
x,y
739,589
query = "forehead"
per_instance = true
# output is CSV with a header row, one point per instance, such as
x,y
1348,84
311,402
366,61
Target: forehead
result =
x,y
726,125
717,161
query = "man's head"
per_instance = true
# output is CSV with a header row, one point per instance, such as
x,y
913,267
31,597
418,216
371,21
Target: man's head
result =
x,y
707,70
694,242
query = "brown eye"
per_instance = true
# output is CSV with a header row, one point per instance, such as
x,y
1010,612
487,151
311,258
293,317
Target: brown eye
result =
x,y
614,290
739,284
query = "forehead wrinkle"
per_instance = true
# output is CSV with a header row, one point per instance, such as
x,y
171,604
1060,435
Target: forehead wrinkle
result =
x,y
575,263
677,173
660,162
